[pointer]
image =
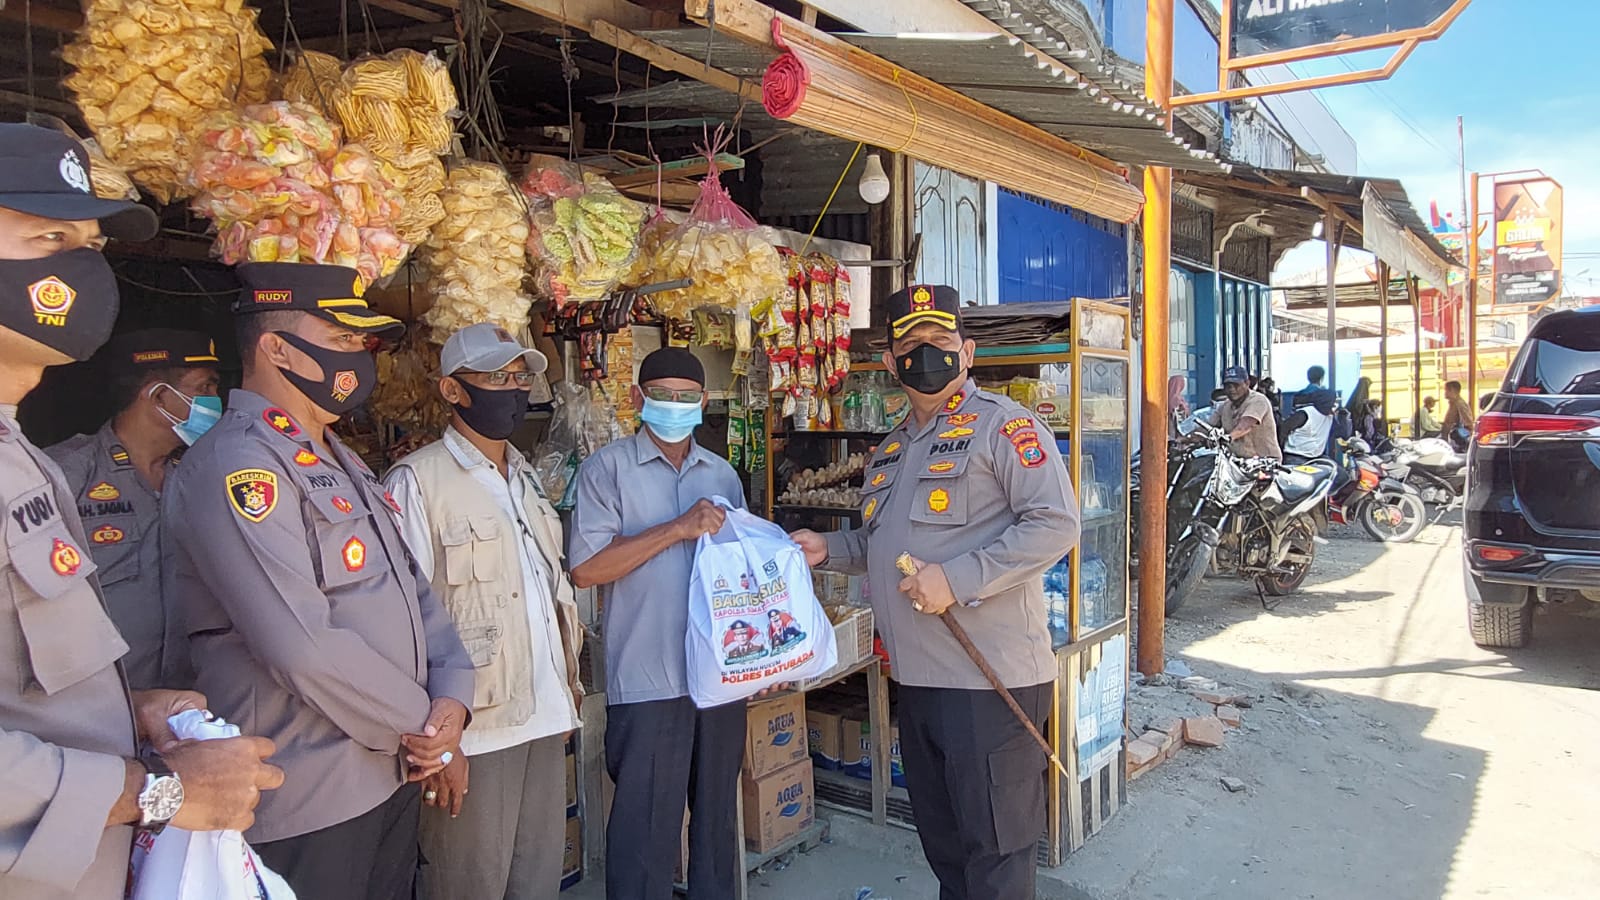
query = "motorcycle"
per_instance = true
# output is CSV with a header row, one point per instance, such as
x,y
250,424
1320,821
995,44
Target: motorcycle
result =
x,y
1434,469
1252,518
1388,509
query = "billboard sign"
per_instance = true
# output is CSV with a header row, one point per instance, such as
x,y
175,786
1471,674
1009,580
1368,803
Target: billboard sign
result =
x,y
1527,241
1269,26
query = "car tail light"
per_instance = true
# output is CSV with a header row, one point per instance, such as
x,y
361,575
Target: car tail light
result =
x,y
1499,429
1497,553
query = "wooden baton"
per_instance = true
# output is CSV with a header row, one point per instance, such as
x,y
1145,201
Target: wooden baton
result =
x,y
908,568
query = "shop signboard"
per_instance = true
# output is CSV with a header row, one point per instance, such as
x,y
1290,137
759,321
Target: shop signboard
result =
x,y
1527,240
1269,26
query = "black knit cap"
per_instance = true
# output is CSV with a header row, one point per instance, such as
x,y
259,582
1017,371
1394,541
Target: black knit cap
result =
x,y
672,362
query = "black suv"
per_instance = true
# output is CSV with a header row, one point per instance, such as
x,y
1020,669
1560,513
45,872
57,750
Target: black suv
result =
x,y
1533,482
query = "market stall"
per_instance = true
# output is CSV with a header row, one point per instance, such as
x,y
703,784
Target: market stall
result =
x,y
400,163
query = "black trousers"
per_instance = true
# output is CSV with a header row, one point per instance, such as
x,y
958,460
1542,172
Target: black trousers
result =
x,y
373,856
661,753
977,784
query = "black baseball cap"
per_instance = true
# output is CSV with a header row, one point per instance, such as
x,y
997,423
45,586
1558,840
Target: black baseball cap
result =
x,y
160,348
329,292
936,303
45,173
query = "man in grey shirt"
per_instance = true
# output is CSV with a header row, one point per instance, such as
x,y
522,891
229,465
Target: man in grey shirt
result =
x,y
973,484
642,503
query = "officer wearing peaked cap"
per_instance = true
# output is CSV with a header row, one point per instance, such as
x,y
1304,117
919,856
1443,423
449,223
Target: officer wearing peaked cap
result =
x,y
306,617
163,385
972,486
71,767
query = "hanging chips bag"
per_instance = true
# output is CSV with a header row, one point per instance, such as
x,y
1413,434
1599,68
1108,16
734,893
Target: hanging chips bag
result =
x,y
475,256
720,247
583,233
150,74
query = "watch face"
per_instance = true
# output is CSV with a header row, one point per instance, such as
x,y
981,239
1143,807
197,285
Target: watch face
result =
x,y
161,798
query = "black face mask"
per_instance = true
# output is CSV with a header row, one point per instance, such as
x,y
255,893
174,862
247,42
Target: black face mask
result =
x,y
67,301
493,414
348,376
927,369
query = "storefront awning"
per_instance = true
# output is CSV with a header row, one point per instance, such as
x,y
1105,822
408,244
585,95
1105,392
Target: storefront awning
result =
x,y
1292,204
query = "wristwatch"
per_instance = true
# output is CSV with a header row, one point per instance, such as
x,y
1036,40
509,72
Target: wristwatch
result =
x,y
162,794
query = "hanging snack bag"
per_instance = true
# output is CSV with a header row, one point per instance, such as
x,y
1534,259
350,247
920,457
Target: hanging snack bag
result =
x,y
754,619
721,248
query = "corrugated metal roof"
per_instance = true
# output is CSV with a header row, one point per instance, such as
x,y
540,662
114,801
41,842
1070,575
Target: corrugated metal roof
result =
x,y
996,70
1272,197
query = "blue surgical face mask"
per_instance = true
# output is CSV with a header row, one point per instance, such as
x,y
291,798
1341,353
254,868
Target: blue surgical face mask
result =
x,y
669,421
204,412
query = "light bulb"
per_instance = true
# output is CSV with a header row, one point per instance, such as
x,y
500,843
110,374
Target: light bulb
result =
x,y
874,185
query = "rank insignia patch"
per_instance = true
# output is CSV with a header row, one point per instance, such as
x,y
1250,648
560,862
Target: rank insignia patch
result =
x,y
955,401
119,455
389,499
306,458
939,501
105,490
280,422
65,558
961,419
253,493
108,534
355,554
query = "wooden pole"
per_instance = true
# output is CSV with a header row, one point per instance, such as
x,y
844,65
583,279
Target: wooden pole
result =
x,y
1416,324
1383,338
1330,236
1472,294
1156,349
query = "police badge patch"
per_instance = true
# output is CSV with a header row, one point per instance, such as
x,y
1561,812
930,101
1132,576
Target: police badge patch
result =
x,y
253,493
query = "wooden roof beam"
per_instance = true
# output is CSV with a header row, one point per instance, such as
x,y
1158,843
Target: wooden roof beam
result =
x,y
1331,208
673,61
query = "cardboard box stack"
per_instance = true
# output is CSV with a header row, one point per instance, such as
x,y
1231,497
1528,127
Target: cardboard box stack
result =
x,y
824,733
779,794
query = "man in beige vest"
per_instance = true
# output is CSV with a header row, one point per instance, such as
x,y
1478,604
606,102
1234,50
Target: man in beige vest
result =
x,y
492,546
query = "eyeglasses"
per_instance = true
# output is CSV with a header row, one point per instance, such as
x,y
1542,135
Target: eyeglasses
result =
x,y
668,395
498,379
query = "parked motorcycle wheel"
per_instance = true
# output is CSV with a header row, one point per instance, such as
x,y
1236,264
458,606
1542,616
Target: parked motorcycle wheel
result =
x,y
1433,492
1302,538
1185,566
1394,517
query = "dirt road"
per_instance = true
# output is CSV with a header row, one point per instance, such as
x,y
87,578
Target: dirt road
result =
x,y
1388,757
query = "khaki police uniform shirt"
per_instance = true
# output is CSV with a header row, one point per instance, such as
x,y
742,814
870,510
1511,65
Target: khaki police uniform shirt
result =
x,y
306,619
120,515
982,490
65,720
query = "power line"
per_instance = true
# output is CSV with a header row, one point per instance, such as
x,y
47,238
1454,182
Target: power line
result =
x,y
1400,114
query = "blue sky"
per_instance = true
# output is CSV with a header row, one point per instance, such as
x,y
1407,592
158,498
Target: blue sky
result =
x,y
1526,75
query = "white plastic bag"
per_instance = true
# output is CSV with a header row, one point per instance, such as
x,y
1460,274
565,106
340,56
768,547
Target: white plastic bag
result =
x,y
754,620
201,865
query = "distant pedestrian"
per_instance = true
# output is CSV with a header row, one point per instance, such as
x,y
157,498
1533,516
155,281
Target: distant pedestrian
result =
x,y
1457,425
1427,422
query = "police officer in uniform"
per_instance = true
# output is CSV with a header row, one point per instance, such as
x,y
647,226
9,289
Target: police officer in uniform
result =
x,y
306,618
70,733
972,486
164,386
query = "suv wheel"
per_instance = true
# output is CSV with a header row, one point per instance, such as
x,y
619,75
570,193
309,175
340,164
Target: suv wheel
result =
x,y
1498,624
